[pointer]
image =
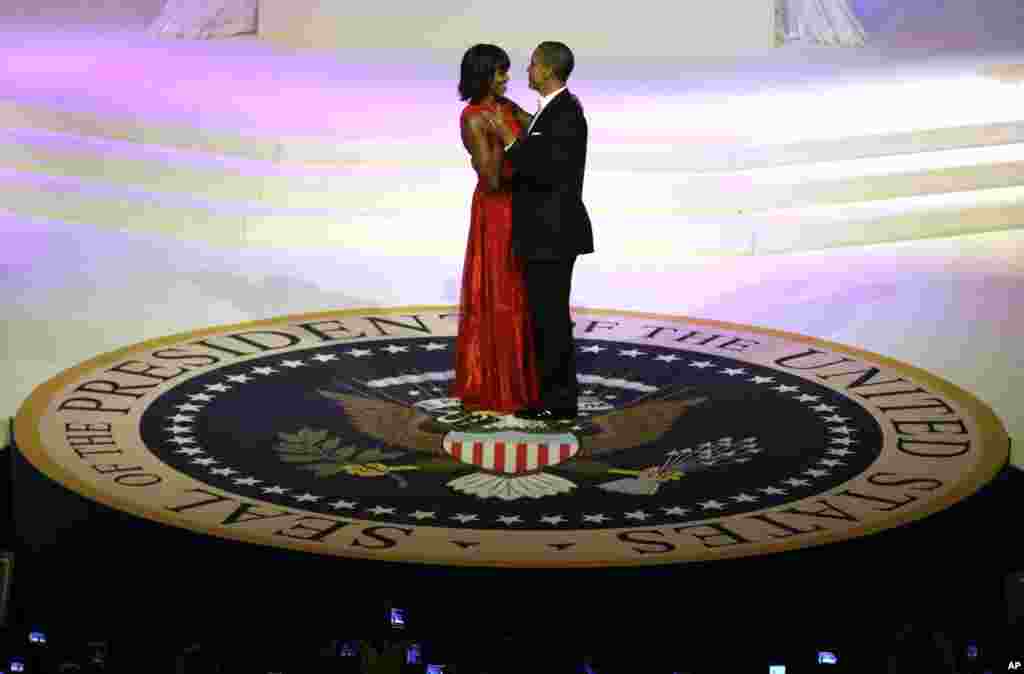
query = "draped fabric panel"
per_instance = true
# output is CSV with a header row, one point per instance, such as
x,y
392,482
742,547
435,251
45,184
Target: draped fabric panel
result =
x,y
205,19
826,22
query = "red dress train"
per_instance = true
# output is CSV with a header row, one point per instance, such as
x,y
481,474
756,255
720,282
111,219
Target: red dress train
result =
x,y
495,368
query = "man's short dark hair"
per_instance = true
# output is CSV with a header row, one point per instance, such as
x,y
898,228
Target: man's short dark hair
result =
x,y
479,65
558,57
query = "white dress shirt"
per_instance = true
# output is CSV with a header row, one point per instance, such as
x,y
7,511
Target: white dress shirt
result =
x,y
542,103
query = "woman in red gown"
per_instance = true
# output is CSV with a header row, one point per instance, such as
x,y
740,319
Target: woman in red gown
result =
x,y
494,359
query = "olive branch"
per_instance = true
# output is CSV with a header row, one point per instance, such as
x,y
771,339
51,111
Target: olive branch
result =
x,y
321,452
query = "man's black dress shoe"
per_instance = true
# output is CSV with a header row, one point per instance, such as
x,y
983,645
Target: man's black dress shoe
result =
x,y
546,414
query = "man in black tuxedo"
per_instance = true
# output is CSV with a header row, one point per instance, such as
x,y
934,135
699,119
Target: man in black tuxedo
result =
x,y
550,225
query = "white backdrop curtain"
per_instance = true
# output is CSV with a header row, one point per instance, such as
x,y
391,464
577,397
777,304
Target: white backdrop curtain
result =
x,y
827,22
203,19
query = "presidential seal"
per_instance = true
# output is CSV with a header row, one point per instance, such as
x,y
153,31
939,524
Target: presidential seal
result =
x,y
336,434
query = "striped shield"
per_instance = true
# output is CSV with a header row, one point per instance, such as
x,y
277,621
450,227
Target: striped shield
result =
x,y
511,452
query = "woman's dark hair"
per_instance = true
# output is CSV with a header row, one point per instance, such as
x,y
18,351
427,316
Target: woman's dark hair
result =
x,y
479,64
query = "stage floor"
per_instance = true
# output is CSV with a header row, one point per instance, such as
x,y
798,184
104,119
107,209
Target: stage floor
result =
x,y
335,180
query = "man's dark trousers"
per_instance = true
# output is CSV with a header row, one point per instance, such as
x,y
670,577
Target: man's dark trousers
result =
x,y
548,284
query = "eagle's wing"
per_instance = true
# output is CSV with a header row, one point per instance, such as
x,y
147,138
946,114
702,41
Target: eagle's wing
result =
x,y
635,425
393,423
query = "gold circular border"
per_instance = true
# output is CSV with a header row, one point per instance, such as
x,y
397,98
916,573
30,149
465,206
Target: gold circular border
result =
x,y
995,443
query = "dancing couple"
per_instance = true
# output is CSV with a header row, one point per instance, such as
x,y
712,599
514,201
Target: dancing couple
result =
x,y
514,350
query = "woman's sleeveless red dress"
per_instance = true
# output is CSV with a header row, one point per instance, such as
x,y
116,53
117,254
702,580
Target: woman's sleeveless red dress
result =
x,y
495,368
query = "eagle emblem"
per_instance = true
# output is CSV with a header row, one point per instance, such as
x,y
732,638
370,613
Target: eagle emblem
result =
x,y
489,455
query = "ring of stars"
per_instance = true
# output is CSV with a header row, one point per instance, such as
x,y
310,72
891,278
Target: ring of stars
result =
x,y
841,443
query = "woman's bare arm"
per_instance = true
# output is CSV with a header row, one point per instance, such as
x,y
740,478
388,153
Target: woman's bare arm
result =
x,y
486,159
522,116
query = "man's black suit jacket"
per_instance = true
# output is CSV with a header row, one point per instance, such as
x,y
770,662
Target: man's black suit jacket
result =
x,y
549,220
